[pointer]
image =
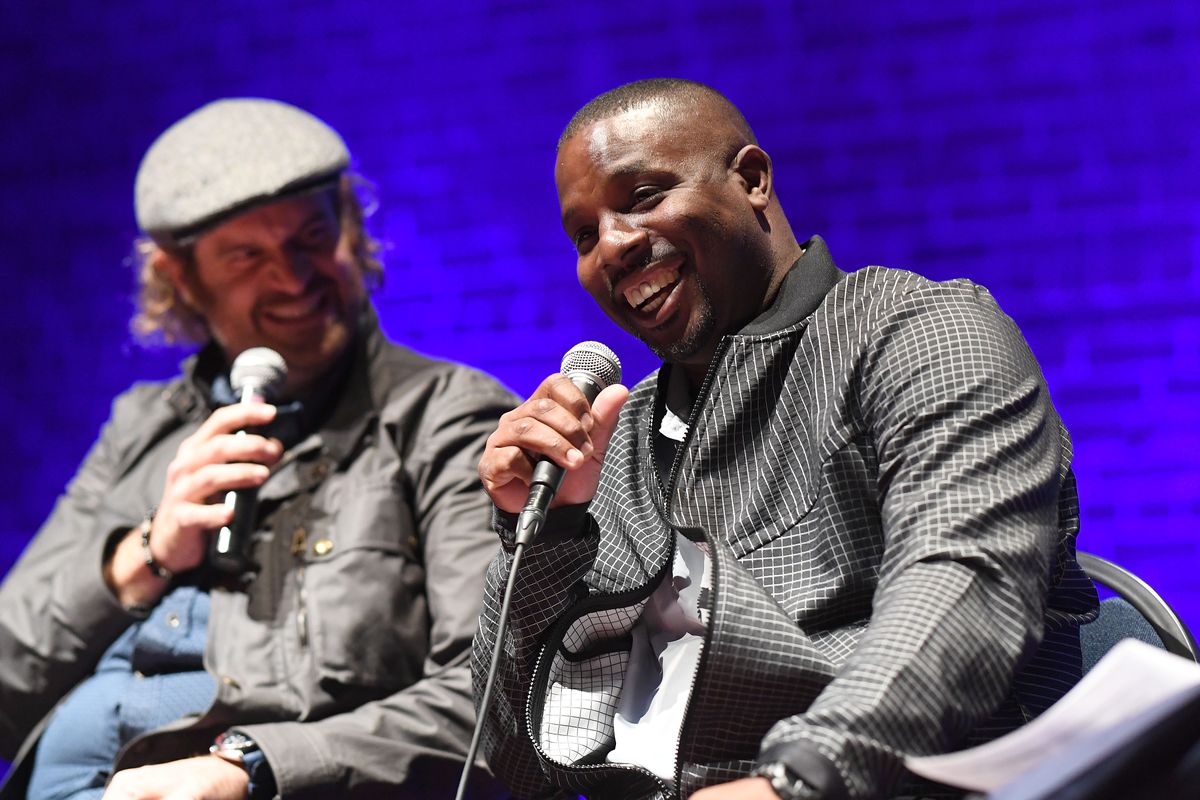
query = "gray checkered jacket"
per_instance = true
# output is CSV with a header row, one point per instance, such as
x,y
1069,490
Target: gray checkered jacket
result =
x,y
886,493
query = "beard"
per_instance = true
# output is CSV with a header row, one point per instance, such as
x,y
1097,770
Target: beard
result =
x,y
694,338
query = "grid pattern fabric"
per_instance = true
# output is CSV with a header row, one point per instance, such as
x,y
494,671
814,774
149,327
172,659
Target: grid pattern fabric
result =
x,y
892,459
582,700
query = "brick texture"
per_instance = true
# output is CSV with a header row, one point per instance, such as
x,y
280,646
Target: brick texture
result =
x,y
1045,148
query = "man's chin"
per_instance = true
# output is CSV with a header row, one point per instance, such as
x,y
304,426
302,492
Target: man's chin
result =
x,y
685,348
308,361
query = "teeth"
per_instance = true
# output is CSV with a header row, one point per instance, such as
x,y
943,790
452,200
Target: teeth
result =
x,y
295,312
636,295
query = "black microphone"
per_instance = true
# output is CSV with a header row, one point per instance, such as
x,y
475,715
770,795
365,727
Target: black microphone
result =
x,y
257,374
592,367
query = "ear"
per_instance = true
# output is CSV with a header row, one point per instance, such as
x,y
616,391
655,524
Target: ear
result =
x,y
172,268
752,167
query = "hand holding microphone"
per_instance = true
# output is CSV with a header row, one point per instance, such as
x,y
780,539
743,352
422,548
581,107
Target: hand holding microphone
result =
x,y
559,435
257,375
548,451
215,461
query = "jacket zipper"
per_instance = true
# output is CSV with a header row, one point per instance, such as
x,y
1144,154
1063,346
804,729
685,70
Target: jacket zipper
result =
x,y
668,498
701,663
705,386
541,671
586,605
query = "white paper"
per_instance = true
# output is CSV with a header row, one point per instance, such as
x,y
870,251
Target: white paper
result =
x,y
1128,680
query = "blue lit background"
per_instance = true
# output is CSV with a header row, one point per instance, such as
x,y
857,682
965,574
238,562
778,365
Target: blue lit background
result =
x,y
1046,148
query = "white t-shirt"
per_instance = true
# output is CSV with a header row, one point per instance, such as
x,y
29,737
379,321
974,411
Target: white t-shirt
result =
x,y
667,640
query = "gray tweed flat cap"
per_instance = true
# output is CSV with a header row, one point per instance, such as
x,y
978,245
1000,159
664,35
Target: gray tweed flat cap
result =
x,y
227,157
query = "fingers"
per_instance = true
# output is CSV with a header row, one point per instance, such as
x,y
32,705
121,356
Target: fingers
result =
x,y
220,437
203,516
223,448
557,423
221,440
606,409
219,457
552,423
239,416
558,388
210,480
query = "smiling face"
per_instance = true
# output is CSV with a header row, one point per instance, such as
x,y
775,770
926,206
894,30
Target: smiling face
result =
x,y
665,208
281,276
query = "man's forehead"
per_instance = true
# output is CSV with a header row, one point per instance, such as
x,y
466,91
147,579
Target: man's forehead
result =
x,y
635,128
664,131
280,217
623,144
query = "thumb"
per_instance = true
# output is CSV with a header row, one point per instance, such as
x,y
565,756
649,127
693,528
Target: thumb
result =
x,y
606,409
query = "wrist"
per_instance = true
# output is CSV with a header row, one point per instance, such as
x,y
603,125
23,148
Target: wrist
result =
x,y
152,564
786,783
128,578
802,760
237,748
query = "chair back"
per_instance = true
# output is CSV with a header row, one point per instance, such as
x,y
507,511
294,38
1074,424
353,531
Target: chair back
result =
x,y
1137,612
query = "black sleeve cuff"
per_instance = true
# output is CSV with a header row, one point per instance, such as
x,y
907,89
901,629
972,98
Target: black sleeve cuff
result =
x,y
262,779
806,762
563,522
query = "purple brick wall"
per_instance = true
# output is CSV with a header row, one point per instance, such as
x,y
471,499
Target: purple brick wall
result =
x,y
1045,148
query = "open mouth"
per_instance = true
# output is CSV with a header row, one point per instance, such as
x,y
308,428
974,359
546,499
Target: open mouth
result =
x,y
649,295
300,310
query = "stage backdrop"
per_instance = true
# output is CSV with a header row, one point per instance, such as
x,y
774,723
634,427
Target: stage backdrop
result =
x,y
1048,149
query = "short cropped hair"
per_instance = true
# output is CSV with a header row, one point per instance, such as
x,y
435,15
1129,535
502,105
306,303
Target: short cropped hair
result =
x,y
163,318
652,90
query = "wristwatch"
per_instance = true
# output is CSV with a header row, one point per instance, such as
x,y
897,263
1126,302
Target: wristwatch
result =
x,y
238,748
786,783
234,746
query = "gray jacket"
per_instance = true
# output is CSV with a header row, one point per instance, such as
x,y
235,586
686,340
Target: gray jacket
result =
x,y
885,491
345,656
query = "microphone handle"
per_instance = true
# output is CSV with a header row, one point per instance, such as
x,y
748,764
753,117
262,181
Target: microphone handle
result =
x,y
547,477
228,546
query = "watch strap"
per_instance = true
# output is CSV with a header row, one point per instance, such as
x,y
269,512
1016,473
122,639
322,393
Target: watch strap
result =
x,y
786,783
239,748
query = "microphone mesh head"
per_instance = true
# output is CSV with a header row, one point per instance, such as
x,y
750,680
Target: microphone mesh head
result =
x,y
595,361
260,367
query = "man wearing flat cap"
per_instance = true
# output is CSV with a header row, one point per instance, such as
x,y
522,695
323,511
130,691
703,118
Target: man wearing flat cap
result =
x,y
330,658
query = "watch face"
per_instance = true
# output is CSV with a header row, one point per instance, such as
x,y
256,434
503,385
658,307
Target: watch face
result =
x,y
232,743
786,783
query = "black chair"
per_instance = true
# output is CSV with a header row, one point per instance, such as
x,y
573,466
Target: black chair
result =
x,y
1152,756
1136,612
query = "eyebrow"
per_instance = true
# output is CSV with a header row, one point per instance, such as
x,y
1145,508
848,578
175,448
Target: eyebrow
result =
x,y
225,245
567,216
625,170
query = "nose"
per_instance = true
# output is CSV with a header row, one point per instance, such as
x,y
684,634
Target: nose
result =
x,y
292,270
619,242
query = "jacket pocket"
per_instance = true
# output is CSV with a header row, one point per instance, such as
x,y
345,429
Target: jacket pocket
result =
x,y
363,601
574,714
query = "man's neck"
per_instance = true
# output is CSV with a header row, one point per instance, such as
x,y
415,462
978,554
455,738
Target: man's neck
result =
x,y
800,290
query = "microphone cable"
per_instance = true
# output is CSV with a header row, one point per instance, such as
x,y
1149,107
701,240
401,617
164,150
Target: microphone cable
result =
x,y
592,367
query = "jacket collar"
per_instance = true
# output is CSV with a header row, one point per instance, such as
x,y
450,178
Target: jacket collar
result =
x,y
803,289
339,410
